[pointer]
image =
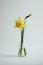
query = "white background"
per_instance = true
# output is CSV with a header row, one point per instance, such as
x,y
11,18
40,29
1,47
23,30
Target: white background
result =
x,y
10,37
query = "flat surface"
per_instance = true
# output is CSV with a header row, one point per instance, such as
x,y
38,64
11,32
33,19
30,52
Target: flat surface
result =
x,y
15,60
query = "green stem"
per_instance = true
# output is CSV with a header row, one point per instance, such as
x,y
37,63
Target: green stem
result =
x,y
22,34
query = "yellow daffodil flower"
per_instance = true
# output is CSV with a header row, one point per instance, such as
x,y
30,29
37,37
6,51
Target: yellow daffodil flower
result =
x,y
19,23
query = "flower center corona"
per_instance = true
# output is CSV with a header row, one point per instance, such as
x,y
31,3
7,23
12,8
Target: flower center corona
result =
x,y
18,24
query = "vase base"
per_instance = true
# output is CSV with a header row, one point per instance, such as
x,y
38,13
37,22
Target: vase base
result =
x,y
21,51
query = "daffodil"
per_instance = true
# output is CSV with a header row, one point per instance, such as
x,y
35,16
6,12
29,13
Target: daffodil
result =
x,y
19,23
